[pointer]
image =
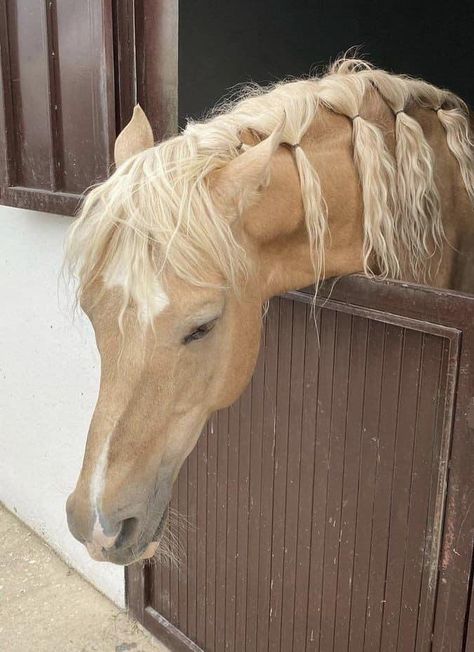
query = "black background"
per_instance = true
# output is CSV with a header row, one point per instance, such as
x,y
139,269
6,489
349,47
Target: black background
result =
x,y
226,42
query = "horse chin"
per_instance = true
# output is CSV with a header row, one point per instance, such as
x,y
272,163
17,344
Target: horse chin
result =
x,y
150,550
152,547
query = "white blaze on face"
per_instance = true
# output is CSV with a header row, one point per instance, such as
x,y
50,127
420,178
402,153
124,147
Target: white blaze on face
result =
x,y
117,277
96,491
158,300
157,303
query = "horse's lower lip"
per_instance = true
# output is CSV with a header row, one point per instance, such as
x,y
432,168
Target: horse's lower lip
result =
x,y
145,551
150,550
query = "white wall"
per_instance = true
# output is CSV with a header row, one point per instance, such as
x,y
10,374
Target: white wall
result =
x,y
49,374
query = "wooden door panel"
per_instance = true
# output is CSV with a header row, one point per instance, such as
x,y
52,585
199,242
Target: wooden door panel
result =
x,y
318,502
30,91
86,119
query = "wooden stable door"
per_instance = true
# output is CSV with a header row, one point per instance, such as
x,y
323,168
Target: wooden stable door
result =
x,y
330,508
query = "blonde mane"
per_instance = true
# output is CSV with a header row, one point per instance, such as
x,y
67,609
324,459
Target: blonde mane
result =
x,y
156,211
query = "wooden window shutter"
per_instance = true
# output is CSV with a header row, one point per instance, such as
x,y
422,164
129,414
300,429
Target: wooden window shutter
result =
x,y
70,73
57,114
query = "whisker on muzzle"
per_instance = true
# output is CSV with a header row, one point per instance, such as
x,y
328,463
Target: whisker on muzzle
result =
x,y
171,551
180,520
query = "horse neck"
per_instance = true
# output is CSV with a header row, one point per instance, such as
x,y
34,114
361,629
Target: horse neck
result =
x,y
276,228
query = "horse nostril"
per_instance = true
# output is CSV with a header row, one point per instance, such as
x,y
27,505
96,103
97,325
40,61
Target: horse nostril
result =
x,y
127,532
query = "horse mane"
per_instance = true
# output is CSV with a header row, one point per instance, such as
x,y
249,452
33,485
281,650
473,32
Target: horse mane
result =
x,y
156,211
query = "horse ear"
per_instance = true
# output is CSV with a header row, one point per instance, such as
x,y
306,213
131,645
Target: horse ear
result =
x,y
136,136
238,182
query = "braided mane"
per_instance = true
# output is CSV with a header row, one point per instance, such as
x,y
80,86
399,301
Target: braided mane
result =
x,y
156,211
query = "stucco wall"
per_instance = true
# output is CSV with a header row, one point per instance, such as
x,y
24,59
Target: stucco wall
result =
x,y
49,372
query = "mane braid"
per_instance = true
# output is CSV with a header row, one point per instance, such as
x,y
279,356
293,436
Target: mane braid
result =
x,y
156,211
419,226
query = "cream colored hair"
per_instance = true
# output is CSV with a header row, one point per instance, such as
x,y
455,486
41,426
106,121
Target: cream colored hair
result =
x,y
156,211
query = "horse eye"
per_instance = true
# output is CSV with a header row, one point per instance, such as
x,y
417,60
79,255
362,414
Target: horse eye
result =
x,y
200,332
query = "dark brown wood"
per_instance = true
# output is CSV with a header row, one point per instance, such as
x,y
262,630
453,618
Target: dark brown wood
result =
x,y
125,61
280,426
307,478
71,73
221,526
168,633
250,623
135,590
294,437
418,521
334,478
469,625
267,469
57,121
324,507
157,63
351,480
211,539
7,135
63,203
367,479
389,602
201,539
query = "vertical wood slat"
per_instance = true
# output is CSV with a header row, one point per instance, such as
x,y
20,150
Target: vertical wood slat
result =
x,y
265,523
86,63
146,62
469,624
294,459
201,540
173,572
57,149
388,601
242,593
135,590
335,477
367,474
232,491
211,538
351,480
455,572
321,455
436,494
26,30
157,85
305,507
7,132
190,544
394,347
125,61
281,428
248,628
358,440
221,526
181,533
418,526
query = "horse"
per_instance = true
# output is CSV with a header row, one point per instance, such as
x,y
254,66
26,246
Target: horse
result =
x,y
178,251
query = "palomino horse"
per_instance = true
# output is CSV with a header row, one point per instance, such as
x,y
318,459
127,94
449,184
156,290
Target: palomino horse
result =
x,y
177,252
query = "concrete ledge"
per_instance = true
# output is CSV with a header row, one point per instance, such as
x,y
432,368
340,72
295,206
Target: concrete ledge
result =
x,y
45,605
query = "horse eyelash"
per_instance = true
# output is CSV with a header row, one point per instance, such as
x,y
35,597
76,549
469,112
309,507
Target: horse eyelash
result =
x,y
199,332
